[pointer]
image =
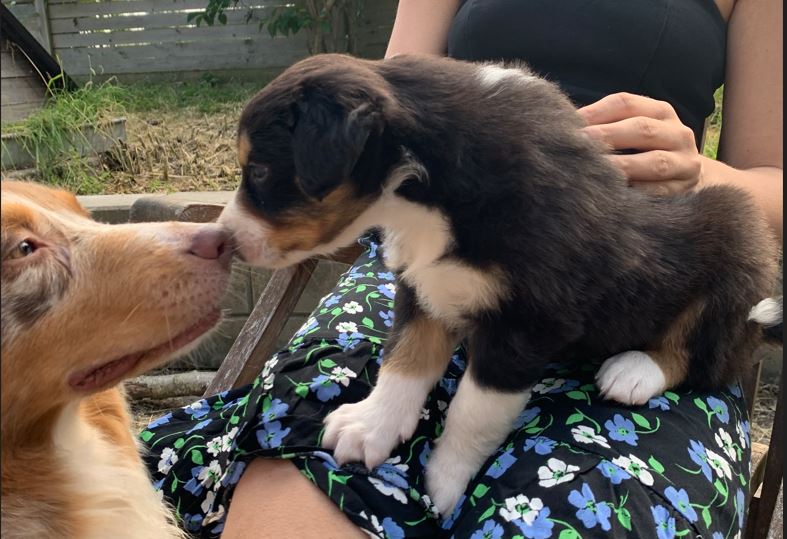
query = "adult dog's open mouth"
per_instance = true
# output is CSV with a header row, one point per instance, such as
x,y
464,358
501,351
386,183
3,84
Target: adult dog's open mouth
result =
x,y
109,373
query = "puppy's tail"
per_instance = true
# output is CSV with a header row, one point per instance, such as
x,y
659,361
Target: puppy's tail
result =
x,y
769,314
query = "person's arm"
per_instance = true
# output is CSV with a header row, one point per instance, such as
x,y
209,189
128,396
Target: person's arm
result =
x,y
750,152
421,27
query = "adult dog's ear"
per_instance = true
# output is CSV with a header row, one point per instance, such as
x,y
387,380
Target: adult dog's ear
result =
x,y
327,142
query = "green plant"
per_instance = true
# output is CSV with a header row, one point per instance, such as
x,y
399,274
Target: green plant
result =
x,y
330,24
54,134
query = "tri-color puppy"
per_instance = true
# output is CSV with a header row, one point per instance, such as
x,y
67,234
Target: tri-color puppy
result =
x,y
86,305
505,226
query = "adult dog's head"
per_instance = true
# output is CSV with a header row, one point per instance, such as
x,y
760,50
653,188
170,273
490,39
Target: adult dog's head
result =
x,y
315,146
87,304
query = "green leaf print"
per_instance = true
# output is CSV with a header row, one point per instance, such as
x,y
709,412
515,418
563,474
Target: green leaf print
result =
x,y
577,395
360,288
234,420
367,322
720,487
701,404
336,311
374,340
480,490
174,486
327,363
301,390
196,457
655,465
706,516
672,396
574,418
568,534
640,420
146,435
488,513
624,517
179,443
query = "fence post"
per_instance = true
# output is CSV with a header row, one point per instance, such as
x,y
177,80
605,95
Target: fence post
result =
x,y
43,15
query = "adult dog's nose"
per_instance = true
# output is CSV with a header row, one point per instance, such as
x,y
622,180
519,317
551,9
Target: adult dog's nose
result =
x,y
211,244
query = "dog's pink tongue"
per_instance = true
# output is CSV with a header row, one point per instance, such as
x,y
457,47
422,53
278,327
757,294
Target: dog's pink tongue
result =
x,y
86,381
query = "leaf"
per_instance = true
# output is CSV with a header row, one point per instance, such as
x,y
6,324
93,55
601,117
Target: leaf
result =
x,y
574,418
588,387
655,464
196,457
302,390
624,517
721,487
360,288
480,490
367,322
146,435
488,513
374,340
706,516
234,420
533,430
327,363
701,404
174,486
223,18
577,395
374,295
672,396
568,533
640,420
179,443
337,310
191,16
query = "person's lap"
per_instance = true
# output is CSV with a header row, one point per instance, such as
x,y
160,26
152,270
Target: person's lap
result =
x,y
574,465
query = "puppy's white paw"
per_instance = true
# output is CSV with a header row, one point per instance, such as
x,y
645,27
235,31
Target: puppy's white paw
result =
x,y
447,476
630,378
366,432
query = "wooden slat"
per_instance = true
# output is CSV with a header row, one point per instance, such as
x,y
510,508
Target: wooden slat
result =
x,y
18,90
15,65
257,340
760,520
776,529
107,7
15,113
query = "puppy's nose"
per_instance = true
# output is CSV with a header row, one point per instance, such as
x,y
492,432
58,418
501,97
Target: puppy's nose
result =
x,y
212,244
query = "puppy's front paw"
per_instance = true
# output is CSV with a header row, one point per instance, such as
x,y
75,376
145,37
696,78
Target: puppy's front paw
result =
x,y
630,378
447,476
365,432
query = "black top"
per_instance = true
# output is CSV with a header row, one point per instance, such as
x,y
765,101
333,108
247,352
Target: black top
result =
x,y
671,50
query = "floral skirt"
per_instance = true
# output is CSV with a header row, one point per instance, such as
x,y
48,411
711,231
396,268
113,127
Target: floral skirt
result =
x,y
573,466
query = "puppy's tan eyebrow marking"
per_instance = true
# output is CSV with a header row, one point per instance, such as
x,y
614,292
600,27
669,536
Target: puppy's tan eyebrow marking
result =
x,y
244,148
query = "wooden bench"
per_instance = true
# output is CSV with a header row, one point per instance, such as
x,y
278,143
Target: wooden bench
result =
x,y
257,342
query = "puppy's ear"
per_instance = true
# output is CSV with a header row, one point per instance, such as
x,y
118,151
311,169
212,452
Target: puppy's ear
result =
x,y
327,142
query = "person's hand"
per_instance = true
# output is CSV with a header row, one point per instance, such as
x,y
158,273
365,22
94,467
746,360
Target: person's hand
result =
x,y
667,161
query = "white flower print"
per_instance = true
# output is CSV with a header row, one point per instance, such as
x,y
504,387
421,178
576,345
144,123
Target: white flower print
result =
x,y
227,439
424,413
168,459
214,446
210,473
430,506
375,522
636,467
267,375
310,322
522,507
741,435
352,307
587,435
211,516
347,327
724,441
555,472
389,490
342,375
719,464
548,384
442,405
391,287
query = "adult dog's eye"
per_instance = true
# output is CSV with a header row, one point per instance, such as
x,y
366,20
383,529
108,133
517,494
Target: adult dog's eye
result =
x,y
256,173
25,248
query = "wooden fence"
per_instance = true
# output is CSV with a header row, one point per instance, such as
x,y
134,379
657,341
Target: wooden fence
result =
x,y
132,38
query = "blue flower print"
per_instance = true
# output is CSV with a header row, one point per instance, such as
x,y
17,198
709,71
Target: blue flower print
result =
x,y
194,485
158,484
540,528
449,384
388,317
490,530
740,506
160,421
736,390
665,524
717,535
540,444
197,409
324,387
719,407
271,435
527,415
589,512
373,249
330,302
392,529
276,410
501,464
698,455
232,474
613,472
680,501
447,523
348,341
621,429
388,290
202,424
386,276
659,402
192,523
425,452
327,460
392,475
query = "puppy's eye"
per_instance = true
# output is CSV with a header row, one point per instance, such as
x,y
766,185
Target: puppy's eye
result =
x,y
25,248
256,173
